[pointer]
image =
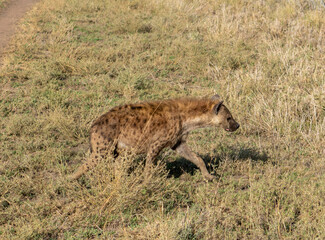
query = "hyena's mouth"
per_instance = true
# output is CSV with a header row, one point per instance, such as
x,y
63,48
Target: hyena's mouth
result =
x,y
230,130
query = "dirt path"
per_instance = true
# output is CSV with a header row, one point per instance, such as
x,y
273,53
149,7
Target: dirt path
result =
x,y
9,17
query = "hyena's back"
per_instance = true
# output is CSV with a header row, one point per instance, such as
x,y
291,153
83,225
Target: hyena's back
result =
x,y
134,126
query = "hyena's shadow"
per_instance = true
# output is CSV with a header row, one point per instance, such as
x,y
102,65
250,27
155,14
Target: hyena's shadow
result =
x,y
212,161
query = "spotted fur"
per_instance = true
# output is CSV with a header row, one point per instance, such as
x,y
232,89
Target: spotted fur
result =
x,y
149,127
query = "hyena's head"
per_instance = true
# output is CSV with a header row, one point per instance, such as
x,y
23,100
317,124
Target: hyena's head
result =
x,y
223,117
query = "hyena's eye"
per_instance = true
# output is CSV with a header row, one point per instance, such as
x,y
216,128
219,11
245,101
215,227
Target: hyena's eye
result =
x,y
228,119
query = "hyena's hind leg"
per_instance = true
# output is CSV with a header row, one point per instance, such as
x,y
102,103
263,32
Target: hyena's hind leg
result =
x,y
94,158
100,148
103,141
90,163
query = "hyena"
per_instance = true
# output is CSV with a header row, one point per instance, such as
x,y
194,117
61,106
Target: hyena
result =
x,y
149,127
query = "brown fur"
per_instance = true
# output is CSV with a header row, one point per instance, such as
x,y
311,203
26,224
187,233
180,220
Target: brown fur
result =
x,y
149,127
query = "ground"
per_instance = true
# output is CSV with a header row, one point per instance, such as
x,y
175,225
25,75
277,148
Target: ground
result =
x,y
10,13
73,60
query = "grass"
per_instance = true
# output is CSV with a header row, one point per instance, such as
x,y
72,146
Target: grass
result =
x,y
2,3
73,60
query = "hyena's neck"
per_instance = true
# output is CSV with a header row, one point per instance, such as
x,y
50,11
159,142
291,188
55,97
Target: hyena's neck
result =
x,y
195,113
195,122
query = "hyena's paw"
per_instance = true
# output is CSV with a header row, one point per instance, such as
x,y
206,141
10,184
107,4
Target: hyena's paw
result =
x,y
209,177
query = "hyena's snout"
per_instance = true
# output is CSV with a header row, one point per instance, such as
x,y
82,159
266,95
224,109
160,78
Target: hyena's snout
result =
x,y
236,126
233,126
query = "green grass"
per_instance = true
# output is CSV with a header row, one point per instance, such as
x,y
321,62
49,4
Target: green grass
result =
x,y
73,60
2,3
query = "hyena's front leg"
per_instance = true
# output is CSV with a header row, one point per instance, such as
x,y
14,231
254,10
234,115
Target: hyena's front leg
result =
x,y
183,150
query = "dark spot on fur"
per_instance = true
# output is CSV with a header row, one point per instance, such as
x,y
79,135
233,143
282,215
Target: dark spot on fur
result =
x,y
176,145
134,124
106,121
115,153
136,107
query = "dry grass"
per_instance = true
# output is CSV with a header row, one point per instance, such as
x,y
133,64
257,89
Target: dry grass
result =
x,y
72,60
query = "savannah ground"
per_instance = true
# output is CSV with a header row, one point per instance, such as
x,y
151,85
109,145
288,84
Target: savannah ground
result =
x,y
73,60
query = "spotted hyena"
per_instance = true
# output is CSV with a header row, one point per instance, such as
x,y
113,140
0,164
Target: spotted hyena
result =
x,y
149,127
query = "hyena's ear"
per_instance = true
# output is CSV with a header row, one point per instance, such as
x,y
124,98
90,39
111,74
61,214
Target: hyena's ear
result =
x,y
217,107
216,97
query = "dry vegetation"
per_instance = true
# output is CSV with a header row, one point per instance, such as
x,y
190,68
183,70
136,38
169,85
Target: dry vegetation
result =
x,y
73,60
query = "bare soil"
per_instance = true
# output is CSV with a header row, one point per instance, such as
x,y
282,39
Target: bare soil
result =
x,y
9,17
